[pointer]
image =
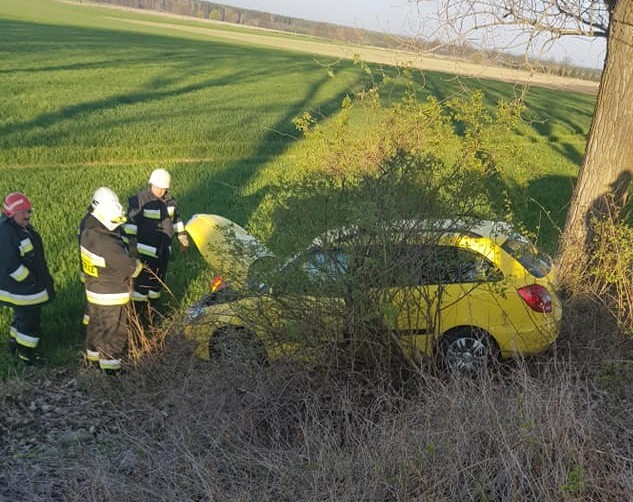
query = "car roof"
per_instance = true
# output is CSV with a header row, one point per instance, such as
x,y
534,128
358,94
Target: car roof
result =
x,y
498,231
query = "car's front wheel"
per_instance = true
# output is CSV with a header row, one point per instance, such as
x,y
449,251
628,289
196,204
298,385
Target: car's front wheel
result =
x,y
468,351
236,346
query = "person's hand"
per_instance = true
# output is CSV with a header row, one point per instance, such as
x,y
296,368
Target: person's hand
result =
x,y
184,242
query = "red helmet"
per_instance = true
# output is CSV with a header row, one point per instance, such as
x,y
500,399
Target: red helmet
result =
x,y
14,202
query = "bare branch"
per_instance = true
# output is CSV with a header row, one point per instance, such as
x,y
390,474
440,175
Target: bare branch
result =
x,y
529,22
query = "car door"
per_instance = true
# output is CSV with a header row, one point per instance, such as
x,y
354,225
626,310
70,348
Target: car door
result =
x,y
443,286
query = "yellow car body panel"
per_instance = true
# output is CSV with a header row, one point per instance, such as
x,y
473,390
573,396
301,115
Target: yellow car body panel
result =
x,y
227,247
494,307
418,315
275,320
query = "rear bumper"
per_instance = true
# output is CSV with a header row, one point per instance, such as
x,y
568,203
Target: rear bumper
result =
x,y
528,343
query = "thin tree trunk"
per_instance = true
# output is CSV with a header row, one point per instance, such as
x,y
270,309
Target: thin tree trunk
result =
x,y
605,173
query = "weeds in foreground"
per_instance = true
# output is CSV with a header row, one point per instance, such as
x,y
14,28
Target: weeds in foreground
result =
x,y
557,427
148,327
147,333
611,267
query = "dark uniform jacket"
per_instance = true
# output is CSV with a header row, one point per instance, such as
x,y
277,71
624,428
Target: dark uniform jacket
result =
x,y
105,263
152,222
24,276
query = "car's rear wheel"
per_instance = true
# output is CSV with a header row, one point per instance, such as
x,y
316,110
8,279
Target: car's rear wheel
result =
x,y
236,346
468,351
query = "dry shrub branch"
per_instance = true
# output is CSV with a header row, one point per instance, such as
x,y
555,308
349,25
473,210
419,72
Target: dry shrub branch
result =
x,y
180,429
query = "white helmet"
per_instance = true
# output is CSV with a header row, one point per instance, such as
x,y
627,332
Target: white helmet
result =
x,y
107,208
160,178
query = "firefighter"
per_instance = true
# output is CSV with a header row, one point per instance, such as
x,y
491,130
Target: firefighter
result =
x,y
108,271
25,282
152,221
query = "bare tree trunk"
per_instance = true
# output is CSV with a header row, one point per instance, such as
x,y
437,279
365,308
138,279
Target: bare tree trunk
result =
x,y
605,173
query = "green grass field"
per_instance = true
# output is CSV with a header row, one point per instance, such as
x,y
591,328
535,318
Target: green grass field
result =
x,y
89,99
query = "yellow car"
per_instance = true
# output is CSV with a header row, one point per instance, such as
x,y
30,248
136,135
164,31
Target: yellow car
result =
x,y
467,292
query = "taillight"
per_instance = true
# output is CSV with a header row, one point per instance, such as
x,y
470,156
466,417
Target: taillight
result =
x,y
537,297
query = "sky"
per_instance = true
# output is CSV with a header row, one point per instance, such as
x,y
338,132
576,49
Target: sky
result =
x,y
400,17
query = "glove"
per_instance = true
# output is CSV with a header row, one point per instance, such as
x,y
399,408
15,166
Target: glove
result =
x,y
184,242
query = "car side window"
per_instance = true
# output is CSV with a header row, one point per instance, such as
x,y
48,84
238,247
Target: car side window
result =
x,y
467,266
400,266
420,264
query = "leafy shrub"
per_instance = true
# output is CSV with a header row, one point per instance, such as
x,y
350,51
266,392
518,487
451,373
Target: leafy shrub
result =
x,y
373,164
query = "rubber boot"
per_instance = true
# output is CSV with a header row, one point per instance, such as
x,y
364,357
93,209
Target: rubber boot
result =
x,y
13,346
28,355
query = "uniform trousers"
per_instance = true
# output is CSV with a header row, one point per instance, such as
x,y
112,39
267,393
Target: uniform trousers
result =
x,y
25,330
107,331
149,283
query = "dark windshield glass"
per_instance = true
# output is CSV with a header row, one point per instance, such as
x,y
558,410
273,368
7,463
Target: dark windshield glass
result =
x,y
261,273
534,261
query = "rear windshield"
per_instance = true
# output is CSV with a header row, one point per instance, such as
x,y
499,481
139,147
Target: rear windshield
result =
x,y
534,261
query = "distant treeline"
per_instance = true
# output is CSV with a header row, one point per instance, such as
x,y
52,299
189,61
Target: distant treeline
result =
x,y
220,12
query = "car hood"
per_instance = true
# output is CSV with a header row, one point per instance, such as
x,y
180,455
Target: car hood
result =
x,y
227,247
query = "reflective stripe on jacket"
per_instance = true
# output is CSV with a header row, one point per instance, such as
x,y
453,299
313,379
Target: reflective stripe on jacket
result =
x,y
152,222
24,276
105,263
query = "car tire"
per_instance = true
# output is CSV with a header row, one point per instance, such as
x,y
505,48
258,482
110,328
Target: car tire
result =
x,y
236,346
468,351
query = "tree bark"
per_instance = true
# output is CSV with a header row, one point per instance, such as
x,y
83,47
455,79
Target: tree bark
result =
x,y
605,173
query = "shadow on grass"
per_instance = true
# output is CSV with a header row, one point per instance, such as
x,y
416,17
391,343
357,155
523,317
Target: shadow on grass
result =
x,y
551,114
190,66
193,65
541,206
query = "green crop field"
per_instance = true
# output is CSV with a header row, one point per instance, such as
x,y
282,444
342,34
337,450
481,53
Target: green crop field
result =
x,y
89,98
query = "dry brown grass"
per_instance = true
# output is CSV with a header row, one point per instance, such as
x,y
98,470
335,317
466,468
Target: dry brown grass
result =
x,y
557,427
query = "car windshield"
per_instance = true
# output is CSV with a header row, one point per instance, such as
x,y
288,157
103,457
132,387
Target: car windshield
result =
x,y
534,261
330,264
261,273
